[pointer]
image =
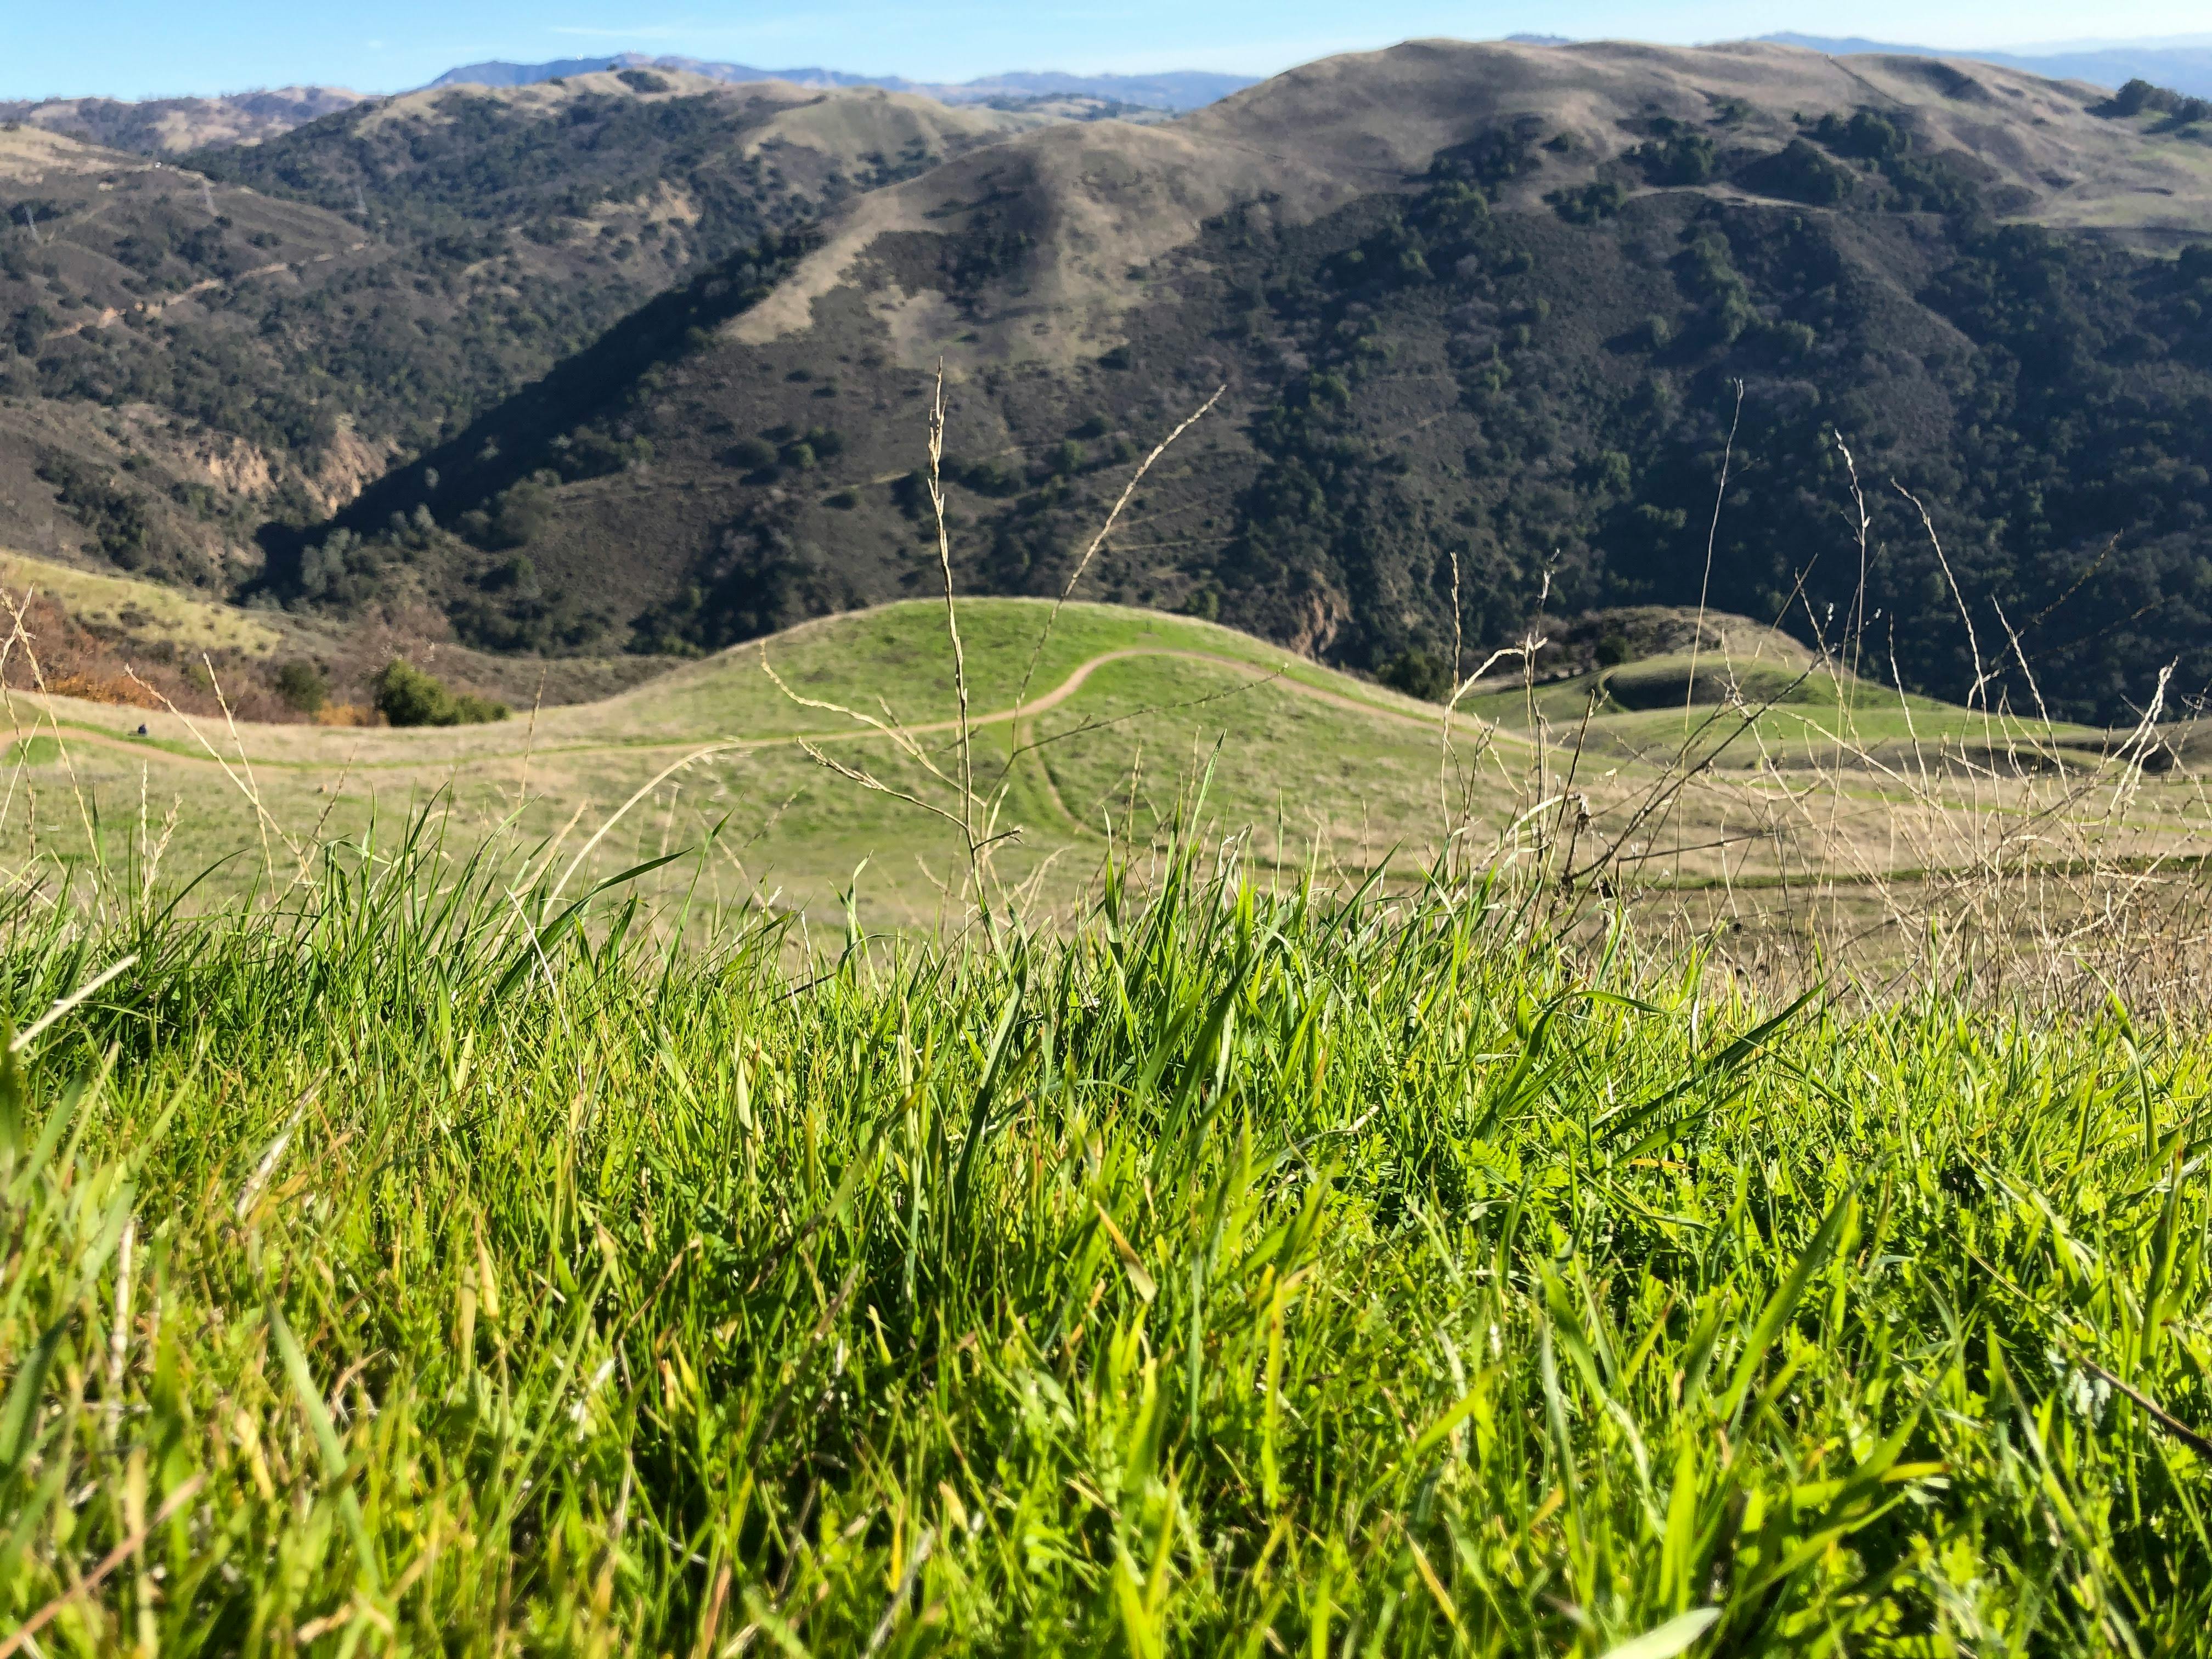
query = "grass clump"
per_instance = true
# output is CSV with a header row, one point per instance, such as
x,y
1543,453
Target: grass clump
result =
x,y
437,1262
405,696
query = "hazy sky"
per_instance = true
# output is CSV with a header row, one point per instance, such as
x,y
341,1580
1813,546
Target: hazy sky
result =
x,y
137,48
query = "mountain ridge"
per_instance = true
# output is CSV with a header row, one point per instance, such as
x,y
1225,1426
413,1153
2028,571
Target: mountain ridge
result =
x,y
172,125
2182,68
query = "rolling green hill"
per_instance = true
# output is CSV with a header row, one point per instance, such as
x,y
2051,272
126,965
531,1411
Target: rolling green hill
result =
x,y
1126,718
1132,702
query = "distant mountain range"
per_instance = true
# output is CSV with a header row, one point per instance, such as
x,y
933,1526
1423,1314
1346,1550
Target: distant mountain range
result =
x,y
2183,63
1177,90
172,125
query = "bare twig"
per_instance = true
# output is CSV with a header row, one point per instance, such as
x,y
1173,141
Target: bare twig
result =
x,y
1098,541
1712,540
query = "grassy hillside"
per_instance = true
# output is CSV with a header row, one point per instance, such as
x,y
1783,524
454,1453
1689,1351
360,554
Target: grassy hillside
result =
x,y
1324,757
1128,719
1490,301
1245,1271
1809,713
124,605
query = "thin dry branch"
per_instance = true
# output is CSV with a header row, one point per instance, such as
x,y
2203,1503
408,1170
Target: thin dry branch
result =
x,y
951,614
1712,540
1128,490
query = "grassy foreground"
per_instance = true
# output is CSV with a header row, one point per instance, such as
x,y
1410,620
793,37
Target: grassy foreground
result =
x,y
1238,1271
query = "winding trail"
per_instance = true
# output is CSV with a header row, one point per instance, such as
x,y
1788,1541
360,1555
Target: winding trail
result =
x,y
109,316
74,732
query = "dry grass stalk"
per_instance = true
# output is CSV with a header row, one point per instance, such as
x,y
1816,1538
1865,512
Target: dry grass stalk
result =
x,y
951,612
1113,517
1712,540
244,785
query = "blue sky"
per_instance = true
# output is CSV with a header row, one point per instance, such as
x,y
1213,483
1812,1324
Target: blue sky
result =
x,y
139,48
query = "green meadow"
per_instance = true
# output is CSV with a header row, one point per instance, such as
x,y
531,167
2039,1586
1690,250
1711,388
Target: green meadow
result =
x,y
1085,734
1237,1271
675,1175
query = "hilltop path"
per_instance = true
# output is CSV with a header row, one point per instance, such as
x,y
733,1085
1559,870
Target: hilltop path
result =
x,y
74,732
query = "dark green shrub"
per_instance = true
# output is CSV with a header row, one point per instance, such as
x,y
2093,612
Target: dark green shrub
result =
x,y
1865,134
300,685
518,516
1418,674
1680,158
2139,95
405,696
1799,174
1599,199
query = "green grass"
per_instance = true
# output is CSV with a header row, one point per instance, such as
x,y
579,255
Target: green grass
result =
x,y
1320,768
1245,1269
1663,685
1317,756
1788,715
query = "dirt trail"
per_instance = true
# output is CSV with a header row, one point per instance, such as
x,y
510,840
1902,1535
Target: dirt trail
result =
x,y
1044,703
109,316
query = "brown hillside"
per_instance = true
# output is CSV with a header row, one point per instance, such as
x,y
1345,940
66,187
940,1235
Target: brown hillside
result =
x,y
1086,284
169,126
186,358
1482,315
1098,201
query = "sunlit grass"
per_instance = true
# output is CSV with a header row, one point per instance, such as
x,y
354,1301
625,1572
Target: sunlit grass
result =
x,y
431,1265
